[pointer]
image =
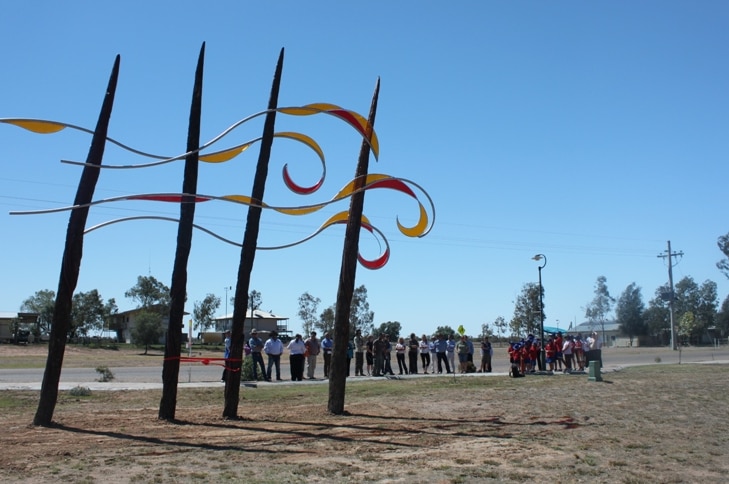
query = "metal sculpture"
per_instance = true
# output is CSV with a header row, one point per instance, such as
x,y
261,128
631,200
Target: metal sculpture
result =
x,y
355,217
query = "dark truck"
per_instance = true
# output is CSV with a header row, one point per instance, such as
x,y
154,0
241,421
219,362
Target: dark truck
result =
x,y
22,336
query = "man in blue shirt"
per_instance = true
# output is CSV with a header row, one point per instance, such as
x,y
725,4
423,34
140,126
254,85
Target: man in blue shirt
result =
x,y
256,345
226,355
327,345
451,350
441,346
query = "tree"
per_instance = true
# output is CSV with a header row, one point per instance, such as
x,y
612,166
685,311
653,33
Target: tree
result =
x,y
147,329
391,329
110,308
686,326
446,330
254,300
89,312
599,309
657,317
527,315
42,303
203,312
722,318
149,292
486,330
701,301
308,306
629,312
360,316
723,264
326,320
501,325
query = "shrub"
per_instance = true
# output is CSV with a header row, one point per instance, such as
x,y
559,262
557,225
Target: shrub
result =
x,y
246,372
79,391
105,373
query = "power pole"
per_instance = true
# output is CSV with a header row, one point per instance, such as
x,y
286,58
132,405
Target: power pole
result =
x,y
671,296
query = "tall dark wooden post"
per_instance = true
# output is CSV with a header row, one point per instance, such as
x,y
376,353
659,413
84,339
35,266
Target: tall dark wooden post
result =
x,y
178,288
72,254
338,371
248,252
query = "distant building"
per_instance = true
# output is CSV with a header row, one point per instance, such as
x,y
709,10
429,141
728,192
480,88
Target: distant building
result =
x,y
10,322
264,322
123,324
609,332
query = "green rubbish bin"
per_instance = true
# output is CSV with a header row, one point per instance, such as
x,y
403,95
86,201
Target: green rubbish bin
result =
x,y
594,371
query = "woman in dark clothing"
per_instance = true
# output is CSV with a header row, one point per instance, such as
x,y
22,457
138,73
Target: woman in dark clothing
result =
x,y
413,346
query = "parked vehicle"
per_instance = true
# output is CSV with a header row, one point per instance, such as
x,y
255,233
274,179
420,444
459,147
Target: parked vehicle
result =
x,y
22,336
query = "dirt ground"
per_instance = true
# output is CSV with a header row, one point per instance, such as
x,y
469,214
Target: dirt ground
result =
x,y
659,423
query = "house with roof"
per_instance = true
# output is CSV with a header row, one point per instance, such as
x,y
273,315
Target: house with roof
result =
x,y
123,324
609,332
11,322
262,321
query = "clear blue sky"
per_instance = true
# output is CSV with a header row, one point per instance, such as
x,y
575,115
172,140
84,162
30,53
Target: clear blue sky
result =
x,y
592,132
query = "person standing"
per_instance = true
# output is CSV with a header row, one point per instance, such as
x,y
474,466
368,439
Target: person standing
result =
x,y
350,354
378,348
559,344
273,348
550,352
462,350
486,352
470,351
359,347
256,345
424,353
433,346
594,345
567,353
297,348
388,356
400,349
327,345
441,349
451,351
370,355
312,349
579,353
226,355
413,347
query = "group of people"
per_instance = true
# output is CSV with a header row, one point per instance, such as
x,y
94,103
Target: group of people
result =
x,y
302,355
436,355
561,353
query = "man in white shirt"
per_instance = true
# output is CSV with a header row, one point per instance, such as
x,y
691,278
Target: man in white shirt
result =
x,y
594,348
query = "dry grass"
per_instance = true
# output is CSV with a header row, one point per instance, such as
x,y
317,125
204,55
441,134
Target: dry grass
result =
x,y
661,423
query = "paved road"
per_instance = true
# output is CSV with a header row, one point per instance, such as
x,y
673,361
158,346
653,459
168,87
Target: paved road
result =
x,y
196,374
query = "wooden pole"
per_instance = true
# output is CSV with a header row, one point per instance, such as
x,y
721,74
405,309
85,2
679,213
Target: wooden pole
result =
x,y
248,252
348,271
72,254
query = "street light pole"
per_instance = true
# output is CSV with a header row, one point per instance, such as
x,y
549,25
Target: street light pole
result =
x,y
227,288
539,257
